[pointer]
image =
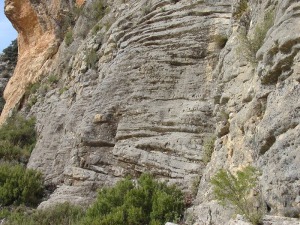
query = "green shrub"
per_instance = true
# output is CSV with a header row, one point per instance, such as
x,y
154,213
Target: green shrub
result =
x,y
91,59
17,138
235,190
96,28
99,9
60,214
31,89
195,185
241,9
146,9
250,45
19,186
69,18
31,101
220,40
209,145
69,37
148,202
261,31
10,152
44,89
53,79
62,90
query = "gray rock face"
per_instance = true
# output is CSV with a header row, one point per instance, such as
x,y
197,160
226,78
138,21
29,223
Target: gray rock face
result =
x,y
272,220
144,90
144,106
262,104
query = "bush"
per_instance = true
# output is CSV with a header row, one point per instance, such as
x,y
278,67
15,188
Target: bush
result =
x,y
261,31
69,37
19,186
99,9
91,59
253,44
62,90
235,190
220,40
209,145
53,79
31,89
148,202
241,9
60,214
10,152
17,138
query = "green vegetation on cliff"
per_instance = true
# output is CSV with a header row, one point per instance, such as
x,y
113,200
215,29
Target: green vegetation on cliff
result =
x,y
18,185
147,202
235,190
17,139
127,203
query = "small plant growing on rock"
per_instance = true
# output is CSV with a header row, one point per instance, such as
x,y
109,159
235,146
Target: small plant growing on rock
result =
x,y
220,40
195,185
62,90
53,79
91,59
235,190
250,45
96,28
147,9
241,8
98,10
31,89
31,102
209,144
69,37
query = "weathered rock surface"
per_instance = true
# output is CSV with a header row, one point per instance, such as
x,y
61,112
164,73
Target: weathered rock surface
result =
x,y
264,112
268,220
150,82
133,115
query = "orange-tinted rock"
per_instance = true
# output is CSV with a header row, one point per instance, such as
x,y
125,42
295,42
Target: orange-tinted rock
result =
x,y
80,2
37,43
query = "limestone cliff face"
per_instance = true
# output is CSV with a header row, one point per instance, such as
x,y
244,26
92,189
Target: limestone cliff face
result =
x,y
142,90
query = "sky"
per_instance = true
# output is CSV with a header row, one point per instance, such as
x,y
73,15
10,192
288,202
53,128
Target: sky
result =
x,y
7,32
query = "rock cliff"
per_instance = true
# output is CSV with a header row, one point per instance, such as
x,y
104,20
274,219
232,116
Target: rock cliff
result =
x,y
139,86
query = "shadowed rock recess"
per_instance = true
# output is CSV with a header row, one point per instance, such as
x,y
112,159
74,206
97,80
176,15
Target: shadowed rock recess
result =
x,y
140,85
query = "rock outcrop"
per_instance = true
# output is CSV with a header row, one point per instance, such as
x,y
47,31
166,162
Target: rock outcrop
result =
x,y
39,26
141,86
